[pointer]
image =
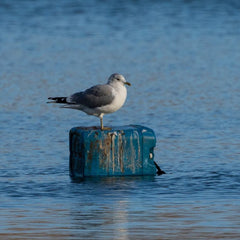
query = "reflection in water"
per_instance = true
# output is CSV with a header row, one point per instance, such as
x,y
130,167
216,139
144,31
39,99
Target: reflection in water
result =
x,y
182,59
125,220
98,221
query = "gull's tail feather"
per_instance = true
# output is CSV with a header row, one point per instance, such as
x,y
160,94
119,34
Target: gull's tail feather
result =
x,y
57,100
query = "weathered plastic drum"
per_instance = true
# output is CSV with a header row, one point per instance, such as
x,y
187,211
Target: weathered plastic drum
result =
x,y
121,151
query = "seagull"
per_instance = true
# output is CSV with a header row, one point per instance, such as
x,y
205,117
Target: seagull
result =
x,y
99,99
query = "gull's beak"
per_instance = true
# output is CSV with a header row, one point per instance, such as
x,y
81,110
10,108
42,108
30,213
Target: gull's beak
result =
x,y
129,84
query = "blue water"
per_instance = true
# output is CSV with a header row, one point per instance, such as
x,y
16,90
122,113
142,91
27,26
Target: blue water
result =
x,y
183,60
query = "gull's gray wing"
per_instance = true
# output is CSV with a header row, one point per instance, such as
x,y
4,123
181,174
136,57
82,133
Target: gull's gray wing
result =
x,y
93,97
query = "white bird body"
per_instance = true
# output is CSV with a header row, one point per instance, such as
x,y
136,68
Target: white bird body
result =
x,y
98,100
119,92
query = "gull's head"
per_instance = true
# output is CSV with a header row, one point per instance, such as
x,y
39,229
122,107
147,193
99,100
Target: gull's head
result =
x,y
116,78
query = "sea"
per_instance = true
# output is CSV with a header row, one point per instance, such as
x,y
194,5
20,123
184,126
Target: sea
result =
x,y
182,58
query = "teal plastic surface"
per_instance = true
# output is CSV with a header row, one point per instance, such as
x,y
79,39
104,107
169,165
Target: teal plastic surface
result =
x,y
121,151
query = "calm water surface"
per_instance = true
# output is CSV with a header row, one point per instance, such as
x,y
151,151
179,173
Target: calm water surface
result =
x,y
183,60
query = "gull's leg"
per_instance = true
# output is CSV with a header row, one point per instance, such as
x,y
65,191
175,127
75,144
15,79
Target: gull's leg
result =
x,y
101,121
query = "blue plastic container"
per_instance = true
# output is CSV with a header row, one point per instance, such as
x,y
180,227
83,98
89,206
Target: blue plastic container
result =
x,y
121,151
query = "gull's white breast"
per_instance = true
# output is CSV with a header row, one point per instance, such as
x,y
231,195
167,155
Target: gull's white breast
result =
x,y
120,94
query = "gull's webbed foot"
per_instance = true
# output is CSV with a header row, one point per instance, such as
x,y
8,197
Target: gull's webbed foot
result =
x,y
105,128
